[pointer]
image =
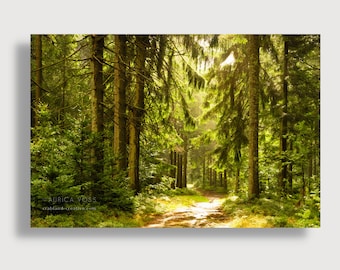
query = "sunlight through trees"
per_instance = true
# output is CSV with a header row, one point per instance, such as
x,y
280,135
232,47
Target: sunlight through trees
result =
x,y
117,120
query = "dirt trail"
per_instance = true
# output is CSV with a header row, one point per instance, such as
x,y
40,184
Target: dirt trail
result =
x,y
199,215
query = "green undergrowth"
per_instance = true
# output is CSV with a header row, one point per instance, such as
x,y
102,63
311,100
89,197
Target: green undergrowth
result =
x,y
99,218
147,205
264,212
273,212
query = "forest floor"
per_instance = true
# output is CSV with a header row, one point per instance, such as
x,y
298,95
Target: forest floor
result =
x,y
207,214
211,209
196,208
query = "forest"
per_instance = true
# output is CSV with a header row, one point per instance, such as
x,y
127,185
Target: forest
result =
x,y
182,131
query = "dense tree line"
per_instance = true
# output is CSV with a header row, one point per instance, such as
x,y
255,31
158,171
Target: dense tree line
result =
x,y
113,115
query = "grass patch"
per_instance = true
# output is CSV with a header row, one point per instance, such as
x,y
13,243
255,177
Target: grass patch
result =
x,y
171,203
271,213
90,219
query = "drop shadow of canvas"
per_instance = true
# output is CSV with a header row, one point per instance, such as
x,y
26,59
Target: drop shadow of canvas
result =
x,y
22,185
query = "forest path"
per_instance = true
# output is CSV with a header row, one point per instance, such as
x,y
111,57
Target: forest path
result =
x,y
199,215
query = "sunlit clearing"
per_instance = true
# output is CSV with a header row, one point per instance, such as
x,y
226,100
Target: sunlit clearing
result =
x,y
230,60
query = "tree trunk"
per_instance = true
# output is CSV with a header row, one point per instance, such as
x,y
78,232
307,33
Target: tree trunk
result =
x,y
171,161
209,164
254,66
185,161
64,86
136,113
204,169
120,85
38,78
97,121
173,173
225,180
179,171
290,171
303,187
283,176
185,166
171,170
237,180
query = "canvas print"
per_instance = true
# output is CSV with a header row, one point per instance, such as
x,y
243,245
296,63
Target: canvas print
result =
x,y
175,131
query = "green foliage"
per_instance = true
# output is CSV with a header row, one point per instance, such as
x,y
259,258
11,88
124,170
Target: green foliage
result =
x,y
309,214
194,78
117,194
80,150
184,191
61,171
122,222
275,211
53,221
160,188
52,176
88,219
